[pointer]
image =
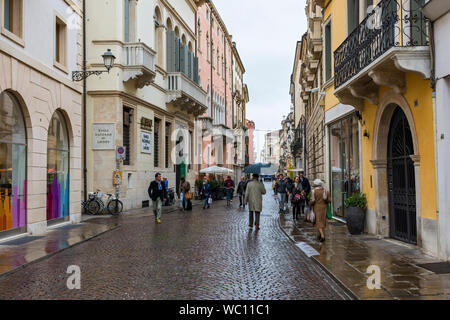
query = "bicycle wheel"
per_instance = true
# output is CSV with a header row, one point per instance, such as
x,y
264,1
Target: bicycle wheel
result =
x,y
115,207
93,207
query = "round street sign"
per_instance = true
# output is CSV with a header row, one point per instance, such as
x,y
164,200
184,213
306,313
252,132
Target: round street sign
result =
x,y
120,150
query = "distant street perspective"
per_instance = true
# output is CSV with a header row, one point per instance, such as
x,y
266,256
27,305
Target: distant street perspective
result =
x,y
201,254
225,150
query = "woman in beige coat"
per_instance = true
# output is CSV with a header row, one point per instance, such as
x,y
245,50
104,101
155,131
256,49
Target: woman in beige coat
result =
x,y
319,199
253,196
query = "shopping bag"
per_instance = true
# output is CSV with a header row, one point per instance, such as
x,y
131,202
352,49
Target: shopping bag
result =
x,y
329,213
311,216
209,200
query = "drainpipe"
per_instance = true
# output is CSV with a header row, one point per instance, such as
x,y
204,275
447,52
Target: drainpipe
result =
x,y
435,131
84,106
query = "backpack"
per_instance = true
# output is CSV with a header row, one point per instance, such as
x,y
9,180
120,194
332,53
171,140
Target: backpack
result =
x,y
228,184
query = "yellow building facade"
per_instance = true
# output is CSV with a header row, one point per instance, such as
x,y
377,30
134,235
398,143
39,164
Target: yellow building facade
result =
x,y
379,116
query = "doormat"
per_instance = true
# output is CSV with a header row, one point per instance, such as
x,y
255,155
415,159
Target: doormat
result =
x,y
19,241
437,267
337,224
69,227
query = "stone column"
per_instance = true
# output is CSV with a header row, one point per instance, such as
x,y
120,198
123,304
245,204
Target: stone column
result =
x,y
381,197
416,159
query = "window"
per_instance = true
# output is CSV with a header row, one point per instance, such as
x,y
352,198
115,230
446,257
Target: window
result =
x,y
352,15
60,42
13,160
167,145
328,51
207,14
127,133
208,49
156,143
13,19
57,169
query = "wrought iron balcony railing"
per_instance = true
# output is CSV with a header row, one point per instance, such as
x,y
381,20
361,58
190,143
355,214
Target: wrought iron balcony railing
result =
x,y
392,23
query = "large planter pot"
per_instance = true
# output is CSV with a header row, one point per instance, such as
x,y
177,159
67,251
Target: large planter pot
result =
x,y
355,220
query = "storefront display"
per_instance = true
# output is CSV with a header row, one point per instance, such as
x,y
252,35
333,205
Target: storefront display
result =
x,y
57,169
344,162
13,157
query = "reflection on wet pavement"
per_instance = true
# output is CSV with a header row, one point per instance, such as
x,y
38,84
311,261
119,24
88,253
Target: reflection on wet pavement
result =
x,y
347,257
57,239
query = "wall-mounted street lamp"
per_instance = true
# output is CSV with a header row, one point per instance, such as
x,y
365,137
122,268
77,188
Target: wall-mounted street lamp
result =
x,y
108,60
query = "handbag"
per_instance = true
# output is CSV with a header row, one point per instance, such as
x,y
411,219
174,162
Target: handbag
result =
x,y
210,200
188,196
329,213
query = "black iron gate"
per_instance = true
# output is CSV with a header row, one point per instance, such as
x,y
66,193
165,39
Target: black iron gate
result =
x,y
401,180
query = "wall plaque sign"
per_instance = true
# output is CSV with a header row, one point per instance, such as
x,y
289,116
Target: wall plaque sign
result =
x,y
103,136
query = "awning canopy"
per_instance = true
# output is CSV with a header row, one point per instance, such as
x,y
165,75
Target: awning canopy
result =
x,y
216,170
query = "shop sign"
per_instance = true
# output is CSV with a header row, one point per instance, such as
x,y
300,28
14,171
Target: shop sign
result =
x,y
146,142
146,124
103,136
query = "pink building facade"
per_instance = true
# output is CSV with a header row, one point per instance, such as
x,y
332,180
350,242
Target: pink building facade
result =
x,y
251,147
214,52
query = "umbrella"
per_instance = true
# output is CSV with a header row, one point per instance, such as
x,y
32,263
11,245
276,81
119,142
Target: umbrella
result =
x,y
216,170
256,168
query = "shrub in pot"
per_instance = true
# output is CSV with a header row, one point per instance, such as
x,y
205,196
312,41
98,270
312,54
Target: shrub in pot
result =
x,y
355,213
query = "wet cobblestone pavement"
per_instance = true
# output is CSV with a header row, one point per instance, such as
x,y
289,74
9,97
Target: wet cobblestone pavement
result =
x,y
202,254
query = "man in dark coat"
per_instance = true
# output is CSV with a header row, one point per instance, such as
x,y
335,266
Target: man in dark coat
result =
x,y
158,193
280,192
241,191
306,190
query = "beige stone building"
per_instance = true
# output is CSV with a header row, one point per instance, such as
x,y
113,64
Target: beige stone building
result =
x,y
40,115
149,101
312,93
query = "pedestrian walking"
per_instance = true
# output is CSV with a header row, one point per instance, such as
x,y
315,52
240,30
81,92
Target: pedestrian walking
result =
x,y
289,184
296,198
157,192
241,191
205,193
306,190
319,199
280,192
229,189
253,196
185,195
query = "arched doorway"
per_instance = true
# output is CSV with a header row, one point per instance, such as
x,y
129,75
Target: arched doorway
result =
x,y
401,179
57,169
13,159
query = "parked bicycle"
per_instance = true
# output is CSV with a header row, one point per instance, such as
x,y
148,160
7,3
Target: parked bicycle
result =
x,y
95,204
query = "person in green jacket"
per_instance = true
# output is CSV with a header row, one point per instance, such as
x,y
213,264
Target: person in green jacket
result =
x,y
253,197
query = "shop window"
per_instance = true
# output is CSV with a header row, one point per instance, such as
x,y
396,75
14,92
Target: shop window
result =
x,y
13,155
344,162
57,168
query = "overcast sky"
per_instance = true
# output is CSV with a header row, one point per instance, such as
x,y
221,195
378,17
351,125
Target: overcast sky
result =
x,y
266,33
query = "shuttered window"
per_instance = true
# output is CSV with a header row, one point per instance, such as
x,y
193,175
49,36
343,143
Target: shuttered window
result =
x,y
328,51
156,143
167,145
127,119
352,15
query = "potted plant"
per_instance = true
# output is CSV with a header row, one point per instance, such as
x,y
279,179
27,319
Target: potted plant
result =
x,y
355,213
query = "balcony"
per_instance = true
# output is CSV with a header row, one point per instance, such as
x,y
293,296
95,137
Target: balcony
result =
x,y
139,64
391,40
185,94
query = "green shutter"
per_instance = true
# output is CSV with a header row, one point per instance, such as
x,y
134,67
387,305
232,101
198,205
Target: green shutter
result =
x,y
127,20
352,15
328,51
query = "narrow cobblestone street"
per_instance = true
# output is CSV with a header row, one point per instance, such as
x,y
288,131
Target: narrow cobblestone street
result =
x,y
202,254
